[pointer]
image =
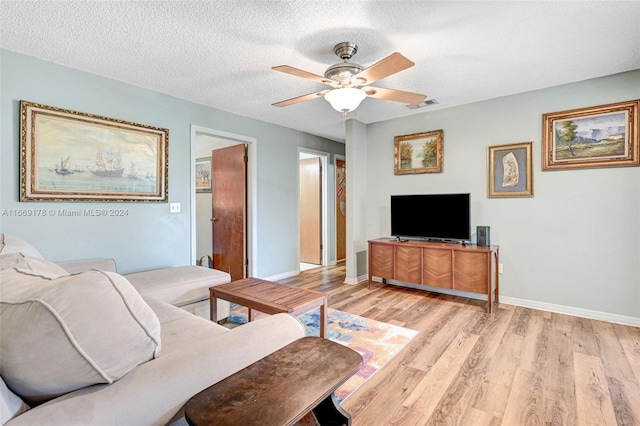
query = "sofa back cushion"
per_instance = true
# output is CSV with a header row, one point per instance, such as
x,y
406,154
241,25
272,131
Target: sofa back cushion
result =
x,y
66,333
11,244
10,404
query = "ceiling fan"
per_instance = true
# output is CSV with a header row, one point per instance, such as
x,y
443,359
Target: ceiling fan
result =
x,y
350,82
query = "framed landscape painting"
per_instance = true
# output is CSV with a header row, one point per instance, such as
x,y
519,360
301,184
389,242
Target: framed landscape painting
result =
x,y
418,153
510,170
594,137
73,156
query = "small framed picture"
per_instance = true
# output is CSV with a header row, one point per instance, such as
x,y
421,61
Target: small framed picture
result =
x,y
510,170
418,153
593,137
203,174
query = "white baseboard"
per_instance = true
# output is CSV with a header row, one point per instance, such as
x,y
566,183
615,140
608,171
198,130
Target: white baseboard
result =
x,y
570,310
356,280
282,276
543,306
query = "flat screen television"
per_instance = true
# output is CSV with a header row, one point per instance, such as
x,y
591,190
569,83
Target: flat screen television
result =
x,y
444,217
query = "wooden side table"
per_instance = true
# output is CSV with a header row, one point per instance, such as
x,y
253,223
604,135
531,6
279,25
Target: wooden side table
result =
x,y
270,298
281,388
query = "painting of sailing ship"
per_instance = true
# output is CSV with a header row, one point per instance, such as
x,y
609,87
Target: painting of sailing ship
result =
x,y
81,157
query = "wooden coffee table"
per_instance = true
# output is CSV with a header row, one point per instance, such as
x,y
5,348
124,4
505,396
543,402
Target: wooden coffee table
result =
x,y
270,298
281,388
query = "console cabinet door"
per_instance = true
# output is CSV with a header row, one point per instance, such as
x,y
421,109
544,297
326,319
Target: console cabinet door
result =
x,y
381,260
471,271
409,264
436,267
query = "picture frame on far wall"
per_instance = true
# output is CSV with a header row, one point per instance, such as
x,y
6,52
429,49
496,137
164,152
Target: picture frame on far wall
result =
x,y
70,156
203,174
511,170
418,153
593,137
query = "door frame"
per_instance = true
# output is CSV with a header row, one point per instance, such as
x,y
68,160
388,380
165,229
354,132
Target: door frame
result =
x,y
252,197
324,162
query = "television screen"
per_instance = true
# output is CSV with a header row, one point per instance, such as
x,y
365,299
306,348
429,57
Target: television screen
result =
x,y
431,216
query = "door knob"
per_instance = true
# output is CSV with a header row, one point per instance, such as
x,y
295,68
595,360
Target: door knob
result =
x,y
214,219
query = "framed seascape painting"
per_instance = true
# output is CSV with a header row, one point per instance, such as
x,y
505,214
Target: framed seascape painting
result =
x,y
418,153
594,137
72,156
510,170
203,174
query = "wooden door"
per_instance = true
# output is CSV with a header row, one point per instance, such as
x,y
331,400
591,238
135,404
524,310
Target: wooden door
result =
x,y
229,207
408,264
471,271
311,211
381,260
437,265
341,209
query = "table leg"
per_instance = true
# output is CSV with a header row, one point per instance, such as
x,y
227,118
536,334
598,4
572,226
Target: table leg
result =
x,y
329,412
250,315
323,319
213,307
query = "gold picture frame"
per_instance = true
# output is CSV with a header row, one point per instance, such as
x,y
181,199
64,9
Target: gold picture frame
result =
x,y
68,155
418,153
510,170
593,137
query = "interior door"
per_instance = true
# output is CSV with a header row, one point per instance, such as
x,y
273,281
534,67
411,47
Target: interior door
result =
x,y
229,207
311,211
341,209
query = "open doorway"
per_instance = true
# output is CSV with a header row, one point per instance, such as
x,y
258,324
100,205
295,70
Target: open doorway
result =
x,y
203,142
313,209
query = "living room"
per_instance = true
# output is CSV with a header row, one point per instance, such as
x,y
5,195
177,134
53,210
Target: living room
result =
x,y
557,247
573,247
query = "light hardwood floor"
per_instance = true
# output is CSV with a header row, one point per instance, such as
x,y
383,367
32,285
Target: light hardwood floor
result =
x,y
517,366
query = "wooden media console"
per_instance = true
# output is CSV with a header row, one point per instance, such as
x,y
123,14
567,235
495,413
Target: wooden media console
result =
x,y
446,265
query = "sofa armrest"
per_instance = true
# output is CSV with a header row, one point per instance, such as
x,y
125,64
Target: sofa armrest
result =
x,y
77,266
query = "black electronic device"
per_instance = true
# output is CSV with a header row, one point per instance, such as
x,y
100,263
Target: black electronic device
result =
x,y
482,236
444,217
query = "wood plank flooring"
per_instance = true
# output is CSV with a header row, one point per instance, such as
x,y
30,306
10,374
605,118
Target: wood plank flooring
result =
x,y
517,366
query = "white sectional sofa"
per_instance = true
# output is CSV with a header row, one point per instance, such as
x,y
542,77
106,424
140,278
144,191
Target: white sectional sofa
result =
x,y
94,347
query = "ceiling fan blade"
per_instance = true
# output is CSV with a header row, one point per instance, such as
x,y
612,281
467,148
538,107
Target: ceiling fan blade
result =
x,y
301,98
394,95
390,65
301,73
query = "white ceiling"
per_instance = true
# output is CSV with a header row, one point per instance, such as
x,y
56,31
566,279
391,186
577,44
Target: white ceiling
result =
x,y
220,53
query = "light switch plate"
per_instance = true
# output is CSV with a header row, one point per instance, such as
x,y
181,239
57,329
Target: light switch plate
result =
x,y
174,208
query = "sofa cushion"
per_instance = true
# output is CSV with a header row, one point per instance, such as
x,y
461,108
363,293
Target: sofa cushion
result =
x,y
179,285
62,334
36,265
197,354
10,404
11,244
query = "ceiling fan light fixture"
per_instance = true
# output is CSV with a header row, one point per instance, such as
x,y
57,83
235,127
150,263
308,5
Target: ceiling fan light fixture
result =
x,y
345,99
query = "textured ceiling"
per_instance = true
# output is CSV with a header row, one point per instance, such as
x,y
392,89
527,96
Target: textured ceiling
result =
x,y
220,53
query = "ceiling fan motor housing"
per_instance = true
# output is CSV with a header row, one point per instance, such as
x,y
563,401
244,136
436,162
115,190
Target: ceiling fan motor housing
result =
x,y
341,73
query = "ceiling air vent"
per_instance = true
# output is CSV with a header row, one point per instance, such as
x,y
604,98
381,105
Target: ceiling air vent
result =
x,y
423,104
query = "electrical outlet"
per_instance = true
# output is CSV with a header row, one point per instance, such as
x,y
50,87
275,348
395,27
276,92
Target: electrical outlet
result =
x,y
174,208
500,268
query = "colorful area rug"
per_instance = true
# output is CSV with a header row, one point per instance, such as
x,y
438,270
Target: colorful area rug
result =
x,y
376,341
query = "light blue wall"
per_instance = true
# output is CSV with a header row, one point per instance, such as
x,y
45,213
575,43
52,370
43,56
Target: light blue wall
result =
x,y
576,243
149,236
